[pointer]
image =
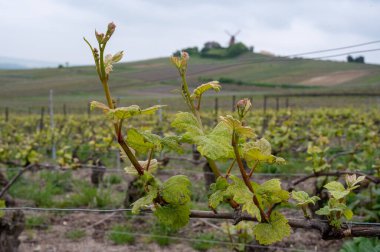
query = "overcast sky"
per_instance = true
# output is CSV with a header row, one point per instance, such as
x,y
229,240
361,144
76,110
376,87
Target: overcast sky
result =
x,y
52,30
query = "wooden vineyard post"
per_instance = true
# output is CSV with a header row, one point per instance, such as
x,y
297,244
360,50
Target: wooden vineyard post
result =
x,y
6,114
277,103
41,127
64,110
287,102
216,109
89,110
233,103
264,125
51,110
265,105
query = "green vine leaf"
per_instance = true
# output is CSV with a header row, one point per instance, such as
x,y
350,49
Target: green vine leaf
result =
x,y
217,144
153,139
337,190
352,182
218,190
152,109
171,143
153,164
145,201
237,126
176,190
303,198
332,208
144,141
277,229
133,110
174,216
348,213
204,87
243,196
139,142
99,105
323,211
270,192
260,150
124,112
187,122
312,149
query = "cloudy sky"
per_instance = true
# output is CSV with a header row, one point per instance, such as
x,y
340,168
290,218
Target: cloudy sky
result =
x,y
52,30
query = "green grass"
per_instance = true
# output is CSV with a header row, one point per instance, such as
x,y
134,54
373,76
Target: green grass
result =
x,y
43,189
86,195
75,234
204,242
36,222
113,179
121,234
146,81
161,233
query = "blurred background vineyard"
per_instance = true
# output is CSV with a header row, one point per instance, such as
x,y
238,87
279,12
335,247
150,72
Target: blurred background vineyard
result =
x,y
312,74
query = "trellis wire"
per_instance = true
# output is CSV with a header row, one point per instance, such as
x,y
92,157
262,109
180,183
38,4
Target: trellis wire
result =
x,y
208,241
219,242
181,170
41,209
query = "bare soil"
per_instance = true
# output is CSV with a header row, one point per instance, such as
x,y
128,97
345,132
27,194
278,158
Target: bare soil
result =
x,y
335,78
53,238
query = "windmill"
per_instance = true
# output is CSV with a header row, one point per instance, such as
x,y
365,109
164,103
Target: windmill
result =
x,y
232,39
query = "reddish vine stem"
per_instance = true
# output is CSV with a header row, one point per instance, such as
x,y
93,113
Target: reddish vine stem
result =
x,y
253,169
230,168
150,158
131,157
246,180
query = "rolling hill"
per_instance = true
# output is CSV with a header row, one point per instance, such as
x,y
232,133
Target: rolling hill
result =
x,y
149,80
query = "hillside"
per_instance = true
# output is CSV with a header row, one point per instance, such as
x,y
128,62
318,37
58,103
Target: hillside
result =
x,y
249,74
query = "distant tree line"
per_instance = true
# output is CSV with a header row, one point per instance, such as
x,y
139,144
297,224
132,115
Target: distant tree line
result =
x,y
213,49
359,59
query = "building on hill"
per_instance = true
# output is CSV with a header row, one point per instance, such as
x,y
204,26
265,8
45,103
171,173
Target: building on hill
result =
x,y
212,45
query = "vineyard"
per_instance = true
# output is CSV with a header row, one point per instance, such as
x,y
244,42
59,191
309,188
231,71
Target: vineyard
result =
x,y
125,178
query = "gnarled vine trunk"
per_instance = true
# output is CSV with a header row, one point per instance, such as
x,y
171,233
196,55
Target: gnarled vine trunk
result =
x,y
11,223
133,193
11,226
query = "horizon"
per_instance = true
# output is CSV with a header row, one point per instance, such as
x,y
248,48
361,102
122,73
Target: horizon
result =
x,y
278,27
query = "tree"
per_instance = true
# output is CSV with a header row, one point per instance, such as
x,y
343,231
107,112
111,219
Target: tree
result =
x,y
236,50
359,59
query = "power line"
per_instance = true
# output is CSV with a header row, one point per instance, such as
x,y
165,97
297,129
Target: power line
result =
x,y
272,60
342,54
334,49
287,58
